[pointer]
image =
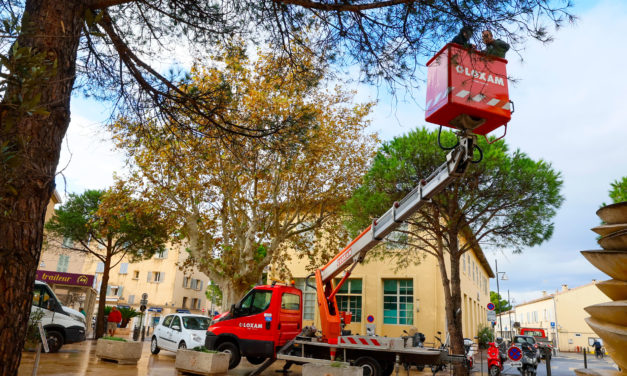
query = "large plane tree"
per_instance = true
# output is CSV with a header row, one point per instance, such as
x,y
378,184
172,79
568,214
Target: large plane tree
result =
x,y
110,49
507,200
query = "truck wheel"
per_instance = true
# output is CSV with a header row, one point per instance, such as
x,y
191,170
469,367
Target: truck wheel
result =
x,y
153,346
389,368
55,340
256,359
231,349
370,365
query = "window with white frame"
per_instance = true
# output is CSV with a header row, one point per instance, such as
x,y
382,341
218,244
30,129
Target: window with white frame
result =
x,y
156,277
398,301
349,298
309,299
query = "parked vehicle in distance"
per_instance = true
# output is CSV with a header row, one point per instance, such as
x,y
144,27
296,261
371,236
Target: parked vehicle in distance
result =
x,y
528,340
61,324
179,331
545,346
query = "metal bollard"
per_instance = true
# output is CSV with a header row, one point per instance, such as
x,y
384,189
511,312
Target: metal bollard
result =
x,y
585,358
547,361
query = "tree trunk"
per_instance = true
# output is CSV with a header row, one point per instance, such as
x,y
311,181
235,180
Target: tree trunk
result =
x,y
455,302
102,298
230,294
54,28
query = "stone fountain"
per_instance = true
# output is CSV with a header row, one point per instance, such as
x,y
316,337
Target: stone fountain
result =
x,y
609,320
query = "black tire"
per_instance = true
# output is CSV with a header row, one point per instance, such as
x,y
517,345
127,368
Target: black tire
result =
x,y
55,340
256,359
153,346
233,350
420,367
389,368
495,371
370,365
183,345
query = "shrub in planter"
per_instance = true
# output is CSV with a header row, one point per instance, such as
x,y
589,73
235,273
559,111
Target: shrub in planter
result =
x,y
202,361
119,350
127,315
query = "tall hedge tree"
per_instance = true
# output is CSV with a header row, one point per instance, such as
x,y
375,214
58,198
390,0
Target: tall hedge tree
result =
x,y
109,225
106,49
240,201
507,201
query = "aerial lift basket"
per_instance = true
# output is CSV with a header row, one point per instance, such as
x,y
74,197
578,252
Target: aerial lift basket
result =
x,y
467,89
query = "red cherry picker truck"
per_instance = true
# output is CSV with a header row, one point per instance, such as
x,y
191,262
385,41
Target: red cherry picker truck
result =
x,y
466,90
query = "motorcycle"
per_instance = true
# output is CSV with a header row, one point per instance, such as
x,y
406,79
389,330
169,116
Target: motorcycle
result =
x,y
435,368
417,340
529,360
469,352
495,360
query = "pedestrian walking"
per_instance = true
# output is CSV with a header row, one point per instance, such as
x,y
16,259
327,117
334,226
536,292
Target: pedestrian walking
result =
x,y
114,319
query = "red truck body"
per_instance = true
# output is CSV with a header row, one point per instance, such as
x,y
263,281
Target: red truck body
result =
x,y
266,318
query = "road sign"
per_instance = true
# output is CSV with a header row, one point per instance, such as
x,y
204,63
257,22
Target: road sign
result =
x,y
142,307
491,316
491,306
42,335
552,324
370,318
514,354
144,296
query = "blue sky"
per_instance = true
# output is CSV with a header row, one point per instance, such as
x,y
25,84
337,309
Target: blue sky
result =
x,y
569,111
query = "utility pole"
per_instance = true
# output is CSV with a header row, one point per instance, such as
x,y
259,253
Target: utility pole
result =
x,y
498,292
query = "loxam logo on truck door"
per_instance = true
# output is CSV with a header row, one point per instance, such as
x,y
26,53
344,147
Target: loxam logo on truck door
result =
x,y
249,325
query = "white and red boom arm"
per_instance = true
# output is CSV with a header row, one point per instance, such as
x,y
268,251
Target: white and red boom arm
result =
x,y
457,161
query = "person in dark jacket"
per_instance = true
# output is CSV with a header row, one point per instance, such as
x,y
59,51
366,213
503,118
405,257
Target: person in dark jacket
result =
x,y
494,47
463,37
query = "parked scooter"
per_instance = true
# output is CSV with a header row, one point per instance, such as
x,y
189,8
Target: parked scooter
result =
x,y
495,360
435,368
469,352
417,340
529,360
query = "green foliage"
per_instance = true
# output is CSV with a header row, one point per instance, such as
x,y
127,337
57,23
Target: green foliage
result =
x,y
127,315
214,294
107,310
114,339
507,200
485,336
618,193
32,330
500,304
338,364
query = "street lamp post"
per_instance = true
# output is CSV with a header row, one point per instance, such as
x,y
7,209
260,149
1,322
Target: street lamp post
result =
x,y
498,292
509,302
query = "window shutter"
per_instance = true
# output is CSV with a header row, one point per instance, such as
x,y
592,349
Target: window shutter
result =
x,y
100,267
149,274
60,264
108,290
124,268
199,284
120,291
165,253
161,277
131,299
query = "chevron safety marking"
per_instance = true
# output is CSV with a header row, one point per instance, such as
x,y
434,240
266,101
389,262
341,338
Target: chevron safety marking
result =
x,y
492,102
358,340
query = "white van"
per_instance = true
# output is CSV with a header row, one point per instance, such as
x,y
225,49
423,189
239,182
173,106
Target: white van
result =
x,y
62,324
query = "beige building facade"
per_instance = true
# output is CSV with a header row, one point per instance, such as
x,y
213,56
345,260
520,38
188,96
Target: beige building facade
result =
x,y
561,315
394,301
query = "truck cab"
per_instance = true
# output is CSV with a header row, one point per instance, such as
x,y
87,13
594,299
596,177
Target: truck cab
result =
x,y
266,318
61,324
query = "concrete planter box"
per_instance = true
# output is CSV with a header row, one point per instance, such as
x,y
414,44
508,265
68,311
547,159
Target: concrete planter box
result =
x,y
312,369
202,363
121,352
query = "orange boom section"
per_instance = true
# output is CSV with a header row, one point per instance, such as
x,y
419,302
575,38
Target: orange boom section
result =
x,y
467,89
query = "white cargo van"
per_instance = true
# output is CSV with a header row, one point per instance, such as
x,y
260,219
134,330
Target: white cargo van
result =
x,y
62,324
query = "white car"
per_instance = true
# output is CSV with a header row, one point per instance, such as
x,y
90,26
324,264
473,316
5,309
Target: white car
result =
x,y
179,331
